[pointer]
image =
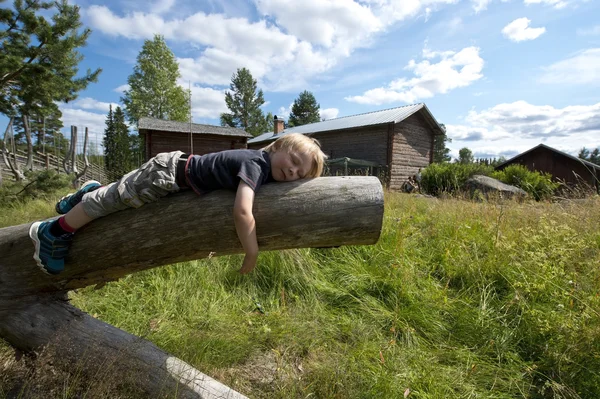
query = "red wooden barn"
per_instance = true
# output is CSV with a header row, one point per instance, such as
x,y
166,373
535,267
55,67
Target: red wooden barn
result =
x,y
165,136
562,166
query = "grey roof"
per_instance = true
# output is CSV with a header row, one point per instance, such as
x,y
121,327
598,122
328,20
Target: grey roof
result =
x,y
584,162
396,115
184,127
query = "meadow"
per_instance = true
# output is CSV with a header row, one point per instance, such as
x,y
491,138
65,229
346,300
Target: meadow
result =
x,y
458,299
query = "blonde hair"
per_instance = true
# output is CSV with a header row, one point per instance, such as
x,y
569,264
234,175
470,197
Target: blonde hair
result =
x,y
304,145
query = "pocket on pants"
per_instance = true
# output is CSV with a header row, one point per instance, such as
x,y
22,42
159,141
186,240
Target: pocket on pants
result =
x,y
128,195
164,181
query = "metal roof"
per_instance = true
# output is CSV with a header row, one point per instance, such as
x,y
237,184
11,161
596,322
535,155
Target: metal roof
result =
x,y
395,115
584,162
184,127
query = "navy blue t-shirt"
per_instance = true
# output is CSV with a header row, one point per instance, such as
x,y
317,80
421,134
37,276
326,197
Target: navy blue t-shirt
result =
x,y
225,169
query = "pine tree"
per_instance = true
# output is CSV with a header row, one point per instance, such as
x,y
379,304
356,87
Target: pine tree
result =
x,y
39,55
40,61
109,142
123,161
441,153
244,102
117,144
153,89
304,110
595,156
584,154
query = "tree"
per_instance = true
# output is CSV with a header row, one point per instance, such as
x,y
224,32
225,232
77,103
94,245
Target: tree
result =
x,y
40,62
269,123
465,156
117,144
595,156
441,153
590,156
584,154
244,101
153,89
304,110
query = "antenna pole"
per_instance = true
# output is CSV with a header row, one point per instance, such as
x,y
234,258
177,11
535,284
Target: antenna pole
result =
x,y
191,137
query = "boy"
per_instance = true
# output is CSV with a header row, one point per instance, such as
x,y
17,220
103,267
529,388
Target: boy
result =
x,y
289,158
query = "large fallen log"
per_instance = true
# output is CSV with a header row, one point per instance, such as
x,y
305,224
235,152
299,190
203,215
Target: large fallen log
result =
x,y
324,212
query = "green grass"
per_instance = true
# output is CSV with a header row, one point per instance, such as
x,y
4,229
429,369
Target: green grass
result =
x,y
457,300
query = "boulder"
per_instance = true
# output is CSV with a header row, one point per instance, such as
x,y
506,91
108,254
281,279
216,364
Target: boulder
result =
x,y
485,185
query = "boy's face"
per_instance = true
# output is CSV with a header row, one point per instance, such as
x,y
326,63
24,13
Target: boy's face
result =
x,y
290,166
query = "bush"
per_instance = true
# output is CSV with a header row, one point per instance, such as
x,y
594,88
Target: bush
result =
x,y
441,178
538,185
38,185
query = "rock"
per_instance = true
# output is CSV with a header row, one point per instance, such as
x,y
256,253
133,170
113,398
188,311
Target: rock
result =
x,y
484,185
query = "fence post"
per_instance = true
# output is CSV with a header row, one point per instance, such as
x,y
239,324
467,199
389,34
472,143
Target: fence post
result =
x,y
47,161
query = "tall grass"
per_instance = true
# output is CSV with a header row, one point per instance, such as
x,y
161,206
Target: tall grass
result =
x,y
457,299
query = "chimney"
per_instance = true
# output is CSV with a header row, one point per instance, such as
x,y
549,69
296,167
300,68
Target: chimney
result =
x,y
278,125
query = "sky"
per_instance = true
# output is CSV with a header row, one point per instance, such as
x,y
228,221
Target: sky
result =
x,y
502,75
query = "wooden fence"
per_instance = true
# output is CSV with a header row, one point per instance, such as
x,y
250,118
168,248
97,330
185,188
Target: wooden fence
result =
x,y
48,161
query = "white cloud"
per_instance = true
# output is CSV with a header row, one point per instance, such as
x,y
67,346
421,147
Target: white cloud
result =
x,y
454,70
208,69
593,31
78,117
207,102
582,68
329,113
292,39
511,128
335,23
283,112
89,103
519,30
480,5
554,3
162,6
121,89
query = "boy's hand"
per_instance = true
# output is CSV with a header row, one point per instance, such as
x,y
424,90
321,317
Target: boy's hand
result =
x,y
249,263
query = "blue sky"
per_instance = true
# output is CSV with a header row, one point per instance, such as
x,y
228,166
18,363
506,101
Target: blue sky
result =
x,y
502,75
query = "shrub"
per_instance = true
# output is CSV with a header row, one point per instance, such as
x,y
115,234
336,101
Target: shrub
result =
x,y
38,185
539,185
441,178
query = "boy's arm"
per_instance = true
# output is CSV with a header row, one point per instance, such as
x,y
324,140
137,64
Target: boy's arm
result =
x,y
245,225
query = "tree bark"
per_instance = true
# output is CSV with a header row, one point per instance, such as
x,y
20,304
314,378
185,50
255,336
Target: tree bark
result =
x,y
26,127
13,165
86,162
324,212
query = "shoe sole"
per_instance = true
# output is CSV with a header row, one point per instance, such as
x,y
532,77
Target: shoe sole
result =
x,y
36,242
68,195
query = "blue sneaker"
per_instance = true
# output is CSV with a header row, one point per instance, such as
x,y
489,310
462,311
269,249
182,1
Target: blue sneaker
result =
x,y
68,202
50,251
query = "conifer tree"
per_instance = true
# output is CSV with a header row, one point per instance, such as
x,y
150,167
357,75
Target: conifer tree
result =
x,y
39,61
441,153
595,156
117,144
304,110
584,154
109,142
244,101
